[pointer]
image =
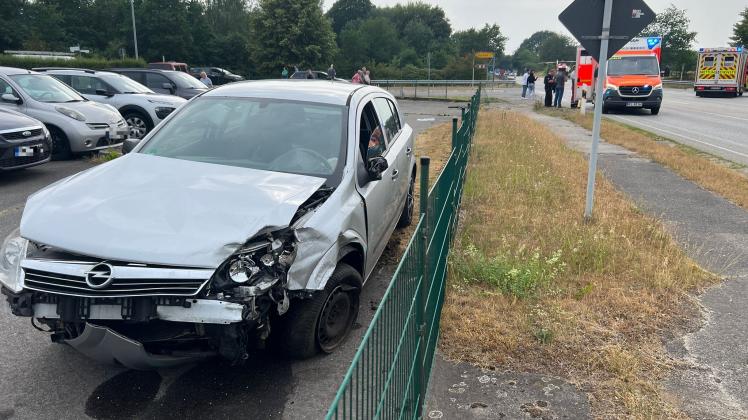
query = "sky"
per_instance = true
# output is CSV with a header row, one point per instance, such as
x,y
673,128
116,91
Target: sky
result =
x,y
518,19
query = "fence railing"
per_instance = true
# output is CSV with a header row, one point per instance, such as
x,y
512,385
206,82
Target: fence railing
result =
x,y
438,89
390,372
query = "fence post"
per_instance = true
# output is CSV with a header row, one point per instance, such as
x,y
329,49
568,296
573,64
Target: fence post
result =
x,y
422,298
454,130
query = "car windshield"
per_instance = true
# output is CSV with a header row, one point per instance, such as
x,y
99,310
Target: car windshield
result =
x,y
186,81
44,88
124,84
265,134
623,65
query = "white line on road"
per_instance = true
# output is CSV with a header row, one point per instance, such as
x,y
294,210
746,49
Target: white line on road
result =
x,y
722,139
703,112
684,136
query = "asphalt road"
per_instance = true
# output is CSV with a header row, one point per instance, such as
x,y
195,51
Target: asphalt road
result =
x,y
717,125
42,380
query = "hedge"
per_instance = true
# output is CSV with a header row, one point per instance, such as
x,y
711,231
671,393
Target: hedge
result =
x,y
84,63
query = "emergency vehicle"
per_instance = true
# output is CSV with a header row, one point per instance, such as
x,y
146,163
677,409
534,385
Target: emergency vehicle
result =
x,y
633,80
722,70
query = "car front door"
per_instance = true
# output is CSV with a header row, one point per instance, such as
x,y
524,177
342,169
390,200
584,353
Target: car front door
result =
x,y
399,146
378,194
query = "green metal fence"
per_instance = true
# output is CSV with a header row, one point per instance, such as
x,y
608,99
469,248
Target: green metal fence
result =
x,y
390,372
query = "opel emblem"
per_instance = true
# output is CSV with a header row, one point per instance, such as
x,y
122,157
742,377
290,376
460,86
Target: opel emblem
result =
x,y
100,276
26,133
635,90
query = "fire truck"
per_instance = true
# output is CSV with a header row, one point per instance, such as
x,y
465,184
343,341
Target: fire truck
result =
x,y
722,70
633,80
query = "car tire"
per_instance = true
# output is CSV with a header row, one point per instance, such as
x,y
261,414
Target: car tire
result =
x,y
138,123
605,109
406,217
322,322
655,111
60,144
699,95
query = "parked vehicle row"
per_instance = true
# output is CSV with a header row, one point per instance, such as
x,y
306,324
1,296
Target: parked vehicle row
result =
x,y
254,214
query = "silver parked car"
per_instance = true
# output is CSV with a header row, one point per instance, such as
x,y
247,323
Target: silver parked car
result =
x,y
142,108
76,124
255,205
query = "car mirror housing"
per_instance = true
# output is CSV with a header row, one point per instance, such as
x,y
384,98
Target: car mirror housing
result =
x,y
375,167
168,86
9,97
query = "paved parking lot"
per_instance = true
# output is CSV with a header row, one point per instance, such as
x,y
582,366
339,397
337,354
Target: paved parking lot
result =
x,y
42,380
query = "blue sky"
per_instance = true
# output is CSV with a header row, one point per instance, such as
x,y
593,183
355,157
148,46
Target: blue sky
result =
x,y
712,19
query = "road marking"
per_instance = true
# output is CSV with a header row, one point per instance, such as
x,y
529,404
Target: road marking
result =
x,y
718,139
686,137
703,112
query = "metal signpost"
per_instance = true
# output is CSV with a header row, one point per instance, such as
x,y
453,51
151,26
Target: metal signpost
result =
x,y
603,27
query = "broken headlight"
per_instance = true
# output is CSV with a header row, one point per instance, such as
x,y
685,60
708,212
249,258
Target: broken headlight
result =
x,y
11,253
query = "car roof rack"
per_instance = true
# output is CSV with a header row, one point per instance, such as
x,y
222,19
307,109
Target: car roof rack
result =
x,y
43,69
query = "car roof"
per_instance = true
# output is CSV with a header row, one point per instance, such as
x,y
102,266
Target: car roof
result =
x,y
143,69
15,70
79,71
319,91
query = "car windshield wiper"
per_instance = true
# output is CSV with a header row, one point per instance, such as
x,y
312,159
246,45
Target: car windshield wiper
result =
x,y
74,100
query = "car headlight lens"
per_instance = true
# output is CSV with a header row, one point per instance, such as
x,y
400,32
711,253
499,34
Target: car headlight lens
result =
x,y
242,269
12,252
71,113
656,87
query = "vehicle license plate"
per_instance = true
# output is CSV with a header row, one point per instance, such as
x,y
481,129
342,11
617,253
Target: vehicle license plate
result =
x,y
23,151
634,104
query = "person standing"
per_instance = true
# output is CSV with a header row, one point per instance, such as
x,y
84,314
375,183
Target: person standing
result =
x,y
310,74
531,84
284,73
524,84
560,79
206,80
331,73
367,76
357,77
549,82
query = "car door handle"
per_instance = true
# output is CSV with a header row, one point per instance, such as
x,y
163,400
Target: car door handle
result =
x,y
395,174
408,151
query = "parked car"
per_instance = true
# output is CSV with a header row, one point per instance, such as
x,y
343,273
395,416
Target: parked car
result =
x,y
76,124
142,108
170,65
257,204
319,75
168,82
217,75
24,141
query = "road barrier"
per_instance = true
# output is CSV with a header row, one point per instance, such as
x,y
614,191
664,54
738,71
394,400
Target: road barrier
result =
x,y
390,372
438,89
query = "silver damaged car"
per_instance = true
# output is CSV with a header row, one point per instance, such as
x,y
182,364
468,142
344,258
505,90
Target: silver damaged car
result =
x,y
252,216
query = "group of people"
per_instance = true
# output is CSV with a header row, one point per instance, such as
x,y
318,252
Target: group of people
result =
x,y
554,82
361,76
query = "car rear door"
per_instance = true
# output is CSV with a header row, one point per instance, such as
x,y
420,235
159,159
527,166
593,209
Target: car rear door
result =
x,y
399,145
155,82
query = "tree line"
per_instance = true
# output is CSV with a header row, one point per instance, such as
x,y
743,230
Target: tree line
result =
x,y
258,37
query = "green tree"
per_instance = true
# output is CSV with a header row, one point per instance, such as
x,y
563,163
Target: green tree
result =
x,y
488,38
533,42
291,32
345,11
557,47
673,25
740,31
14,24
374,40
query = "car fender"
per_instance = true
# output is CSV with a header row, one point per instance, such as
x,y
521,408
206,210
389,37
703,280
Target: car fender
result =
x,y
348,242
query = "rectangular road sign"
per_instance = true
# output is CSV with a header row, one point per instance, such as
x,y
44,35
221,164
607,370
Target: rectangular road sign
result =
x,y
484,55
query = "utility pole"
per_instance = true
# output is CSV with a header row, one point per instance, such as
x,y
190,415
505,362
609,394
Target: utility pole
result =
x,y
134,31
428,59
472,82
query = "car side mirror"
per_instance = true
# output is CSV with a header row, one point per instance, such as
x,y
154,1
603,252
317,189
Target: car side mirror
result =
x,y
9,97
104,92
129,144
169,87
376,167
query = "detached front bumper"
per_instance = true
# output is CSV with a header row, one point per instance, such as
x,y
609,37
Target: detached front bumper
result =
x,y
612,99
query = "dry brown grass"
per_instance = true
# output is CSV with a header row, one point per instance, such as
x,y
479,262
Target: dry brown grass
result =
x,y
598,320
711,173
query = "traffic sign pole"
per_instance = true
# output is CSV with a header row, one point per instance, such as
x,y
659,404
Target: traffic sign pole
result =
x,y
602,75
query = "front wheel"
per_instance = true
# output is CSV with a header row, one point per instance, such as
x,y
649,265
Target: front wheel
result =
x,y
60,145
322,322
655,111
138,124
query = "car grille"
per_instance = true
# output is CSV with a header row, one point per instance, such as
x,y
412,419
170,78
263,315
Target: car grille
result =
x,y
18,135
640,90
9,160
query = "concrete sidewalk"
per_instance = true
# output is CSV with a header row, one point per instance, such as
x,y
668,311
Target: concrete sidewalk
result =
x,y
711,381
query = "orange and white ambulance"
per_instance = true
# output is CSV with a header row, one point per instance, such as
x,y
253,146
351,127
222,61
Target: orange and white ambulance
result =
x,y
722,70
634,79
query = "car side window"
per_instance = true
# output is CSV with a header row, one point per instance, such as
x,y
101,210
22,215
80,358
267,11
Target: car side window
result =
x,y
388,118
155,80
6,88
396,114
87,85
371,140
135,75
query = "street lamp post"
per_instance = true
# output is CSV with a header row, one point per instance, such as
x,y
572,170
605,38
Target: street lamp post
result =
x,y
134,31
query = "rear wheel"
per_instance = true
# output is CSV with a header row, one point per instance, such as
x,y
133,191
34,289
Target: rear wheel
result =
x,y
605,109
655,111
60,145
323,322
406,217
138,123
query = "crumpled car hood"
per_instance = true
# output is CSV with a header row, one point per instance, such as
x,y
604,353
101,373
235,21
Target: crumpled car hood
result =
x,y
155,210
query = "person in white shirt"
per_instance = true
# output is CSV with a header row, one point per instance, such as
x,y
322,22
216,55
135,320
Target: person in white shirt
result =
x,y
524,83
205,79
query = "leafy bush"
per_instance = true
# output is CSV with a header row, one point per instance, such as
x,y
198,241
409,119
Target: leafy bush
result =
x,y
81,62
